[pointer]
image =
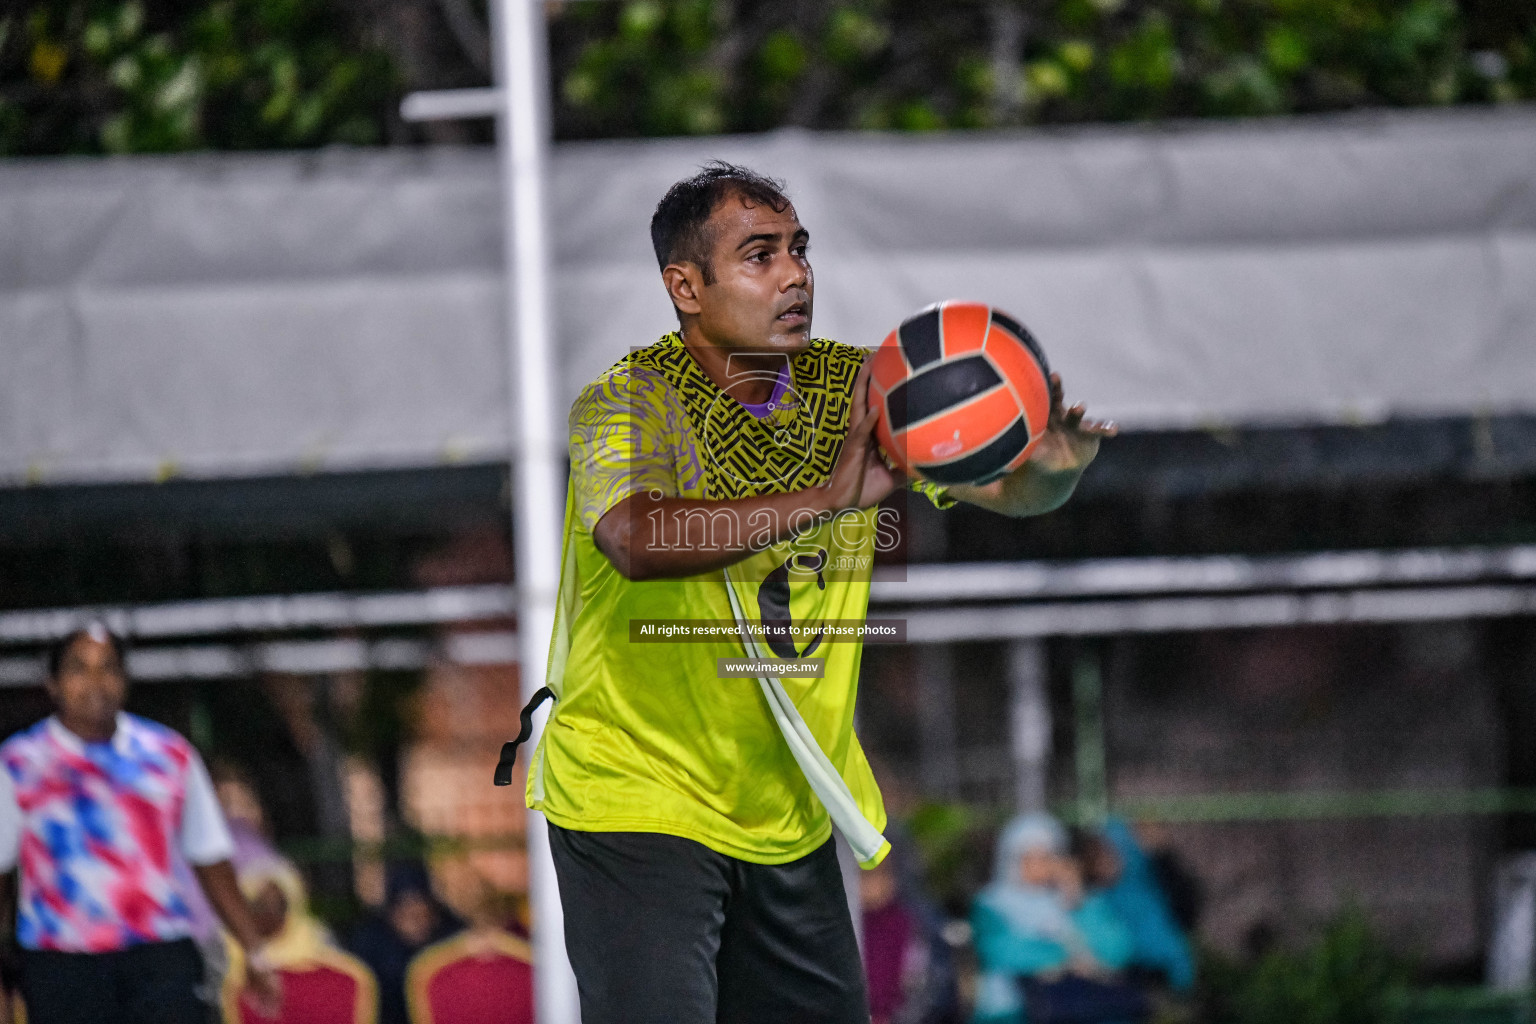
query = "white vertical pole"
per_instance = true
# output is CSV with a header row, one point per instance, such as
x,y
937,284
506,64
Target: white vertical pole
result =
x,y
537,443
1029,723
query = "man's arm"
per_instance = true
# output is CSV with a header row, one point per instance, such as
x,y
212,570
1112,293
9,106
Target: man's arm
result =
x,y
650,538
226,899
207,846
1050,475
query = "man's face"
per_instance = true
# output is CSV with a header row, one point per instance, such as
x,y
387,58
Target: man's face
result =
x,y
760,298
90,688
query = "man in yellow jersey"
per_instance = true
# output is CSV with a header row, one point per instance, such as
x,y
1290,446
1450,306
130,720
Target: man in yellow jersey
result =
x,y
722,500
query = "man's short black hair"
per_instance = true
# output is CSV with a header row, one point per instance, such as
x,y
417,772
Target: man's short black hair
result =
x,y
97,631
678,226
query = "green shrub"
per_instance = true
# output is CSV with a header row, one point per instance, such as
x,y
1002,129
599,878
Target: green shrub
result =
x,y
1348,976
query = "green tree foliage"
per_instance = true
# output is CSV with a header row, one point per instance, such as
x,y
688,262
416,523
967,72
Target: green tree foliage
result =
x,y
118,76
655,67
158,75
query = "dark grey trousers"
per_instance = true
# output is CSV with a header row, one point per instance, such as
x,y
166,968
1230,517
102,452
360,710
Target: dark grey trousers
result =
x,y
663,930
155,983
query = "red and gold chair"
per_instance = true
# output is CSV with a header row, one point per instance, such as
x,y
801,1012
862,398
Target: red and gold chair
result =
x,y
330,987
481,976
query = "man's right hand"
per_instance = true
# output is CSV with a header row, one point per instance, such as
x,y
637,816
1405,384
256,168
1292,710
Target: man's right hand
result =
x,y
262,981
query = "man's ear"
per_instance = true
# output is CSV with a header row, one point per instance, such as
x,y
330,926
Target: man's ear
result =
x,y
684,281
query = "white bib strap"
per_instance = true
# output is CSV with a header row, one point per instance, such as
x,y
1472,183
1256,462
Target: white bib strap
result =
x,y
863,838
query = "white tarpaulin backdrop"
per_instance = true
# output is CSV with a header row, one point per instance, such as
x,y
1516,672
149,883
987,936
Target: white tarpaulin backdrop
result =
x,y
226,315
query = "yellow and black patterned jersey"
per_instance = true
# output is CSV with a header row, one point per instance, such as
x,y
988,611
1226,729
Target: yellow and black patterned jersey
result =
x,y
646,736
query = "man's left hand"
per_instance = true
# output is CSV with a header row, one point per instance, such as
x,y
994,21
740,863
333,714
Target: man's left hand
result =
x,y
1071,440
1050,474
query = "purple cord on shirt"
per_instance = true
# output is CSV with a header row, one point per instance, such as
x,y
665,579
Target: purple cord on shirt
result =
x,y
760,410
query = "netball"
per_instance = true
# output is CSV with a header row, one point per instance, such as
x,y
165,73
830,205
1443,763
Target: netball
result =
x,y
963,393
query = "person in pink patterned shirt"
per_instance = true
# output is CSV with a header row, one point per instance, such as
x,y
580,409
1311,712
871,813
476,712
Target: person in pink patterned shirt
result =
x,y
95,805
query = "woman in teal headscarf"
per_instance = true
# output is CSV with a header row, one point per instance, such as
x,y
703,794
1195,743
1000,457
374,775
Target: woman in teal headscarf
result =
x,y
1138,900
1034,922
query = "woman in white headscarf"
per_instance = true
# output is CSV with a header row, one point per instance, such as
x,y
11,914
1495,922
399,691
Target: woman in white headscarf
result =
x,y
1034,923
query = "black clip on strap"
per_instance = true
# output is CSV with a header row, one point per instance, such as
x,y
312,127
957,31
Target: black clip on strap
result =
x,y
509,749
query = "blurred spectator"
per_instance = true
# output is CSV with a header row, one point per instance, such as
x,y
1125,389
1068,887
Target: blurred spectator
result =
x,y
247,817
319,983
280,904
1180,885
1115,863
411,919
908,966
894,957
95,805
1045,944
1158,941
246,820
